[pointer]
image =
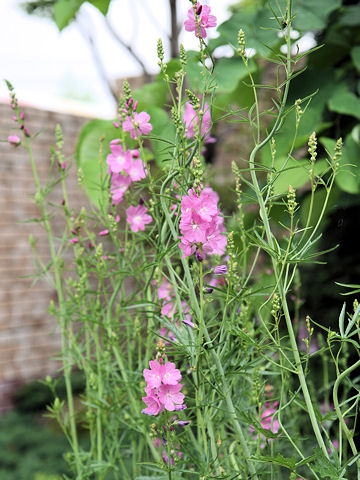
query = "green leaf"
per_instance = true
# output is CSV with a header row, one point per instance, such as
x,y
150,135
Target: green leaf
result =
x,y
345,102
296,173
305,84
312,15
102,5
229,71
87,156
355,55
151,94
278,460
325,468
350,16
348,178
319,199
258,25
65,11
194,71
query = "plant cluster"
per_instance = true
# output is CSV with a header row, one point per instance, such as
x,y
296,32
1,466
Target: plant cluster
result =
x,y
164,288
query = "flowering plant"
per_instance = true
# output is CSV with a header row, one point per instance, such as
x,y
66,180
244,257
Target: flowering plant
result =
x,y
175,287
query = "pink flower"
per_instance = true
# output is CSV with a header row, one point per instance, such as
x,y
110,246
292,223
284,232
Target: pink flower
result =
x,y
119,185
103,233
138,125
118,160
154,405
74,240
170,374
170,396
136,170
154,376
191,118
205,20
137,217
165,290
14,140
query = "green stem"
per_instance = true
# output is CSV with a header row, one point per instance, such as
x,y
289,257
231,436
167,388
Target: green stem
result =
x,y
63,320
347,432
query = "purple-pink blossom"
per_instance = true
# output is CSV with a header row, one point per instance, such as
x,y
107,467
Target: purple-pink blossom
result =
x,y
154,376
137,125
118,187
171,397
118,160
201,225
203,17
220,270
136,170
14,140
191,120
163,388
137,217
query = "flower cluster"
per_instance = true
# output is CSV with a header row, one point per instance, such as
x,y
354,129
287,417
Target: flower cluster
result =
x,y
199,19
125,167
201,225
163,388
191,120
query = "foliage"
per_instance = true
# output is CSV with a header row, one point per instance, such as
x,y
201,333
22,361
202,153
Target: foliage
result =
x,y
156,285
30,450
35,396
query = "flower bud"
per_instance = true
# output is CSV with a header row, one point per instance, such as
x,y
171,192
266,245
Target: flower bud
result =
x,y
14,140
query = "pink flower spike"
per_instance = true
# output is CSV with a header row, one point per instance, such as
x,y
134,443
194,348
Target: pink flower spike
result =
x,y
137,217
170,396
14,140
171,375
154,376
103,233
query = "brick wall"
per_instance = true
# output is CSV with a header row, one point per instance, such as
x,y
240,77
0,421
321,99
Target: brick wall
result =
x,y
29,337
